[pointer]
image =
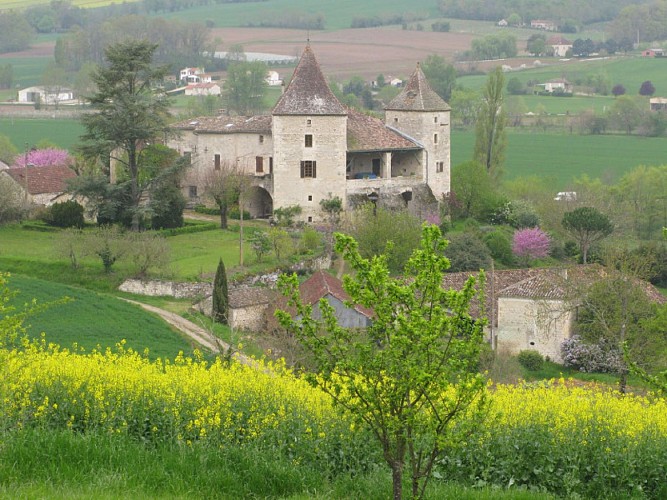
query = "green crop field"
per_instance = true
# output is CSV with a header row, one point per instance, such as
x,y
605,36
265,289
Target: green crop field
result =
x,y
337,14
560,158
91,319
22,4
27,70
64,133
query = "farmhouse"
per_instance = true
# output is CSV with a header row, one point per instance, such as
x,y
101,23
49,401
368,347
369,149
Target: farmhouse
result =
x,y
45,96
194,75
653,53
658,103
45,185
541,24
559,46
311,147
273,79
557,85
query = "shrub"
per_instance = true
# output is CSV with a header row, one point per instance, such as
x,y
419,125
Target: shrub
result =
x,y
530,244
235,214
65,214
467,252
202,209
500,247
310,239
599,357
531,360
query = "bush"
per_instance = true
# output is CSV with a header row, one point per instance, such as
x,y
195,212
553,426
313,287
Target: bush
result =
x,y
202,209
467,252
500,247
65,214
235,214
600,357
531,360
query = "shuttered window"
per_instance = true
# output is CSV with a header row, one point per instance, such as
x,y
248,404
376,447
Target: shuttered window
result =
x,y
308,169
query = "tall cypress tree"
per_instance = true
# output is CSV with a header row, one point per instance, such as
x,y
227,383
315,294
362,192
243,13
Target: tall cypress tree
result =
x,y
220,295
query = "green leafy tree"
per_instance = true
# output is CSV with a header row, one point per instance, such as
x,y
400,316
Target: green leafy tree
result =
x,y
223,186
465,106
537,44
490,135
7,150
15,31
245,87
412,376
441,76
587,225
474,189
260,242
468,252
129,113
220,304
647,88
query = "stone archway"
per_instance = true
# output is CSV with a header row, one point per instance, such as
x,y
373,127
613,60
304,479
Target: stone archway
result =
x,y
259,203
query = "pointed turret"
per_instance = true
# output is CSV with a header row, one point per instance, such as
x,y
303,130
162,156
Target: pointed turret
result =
x,y
417,95
308,92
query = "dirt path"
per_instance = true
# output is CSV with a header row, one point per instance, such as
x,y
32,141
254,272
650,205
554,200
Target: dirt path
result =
x,y
195,332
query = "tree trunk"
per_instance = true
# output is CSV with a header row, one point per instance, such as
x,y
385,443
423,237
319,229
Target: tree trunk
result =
x,y
223,216
397,480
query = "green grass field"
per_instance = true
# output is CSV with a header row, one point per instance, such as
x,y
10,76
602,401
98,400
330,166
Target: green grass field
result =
x,y
63,132
91,319
337,15
22,4
27,70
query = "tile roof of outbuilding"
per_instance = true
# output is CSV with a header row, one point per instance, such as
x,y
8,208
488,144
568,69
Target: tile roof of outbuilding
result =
x,y
417,95
308,92
321,284
42,180
260,124
366,133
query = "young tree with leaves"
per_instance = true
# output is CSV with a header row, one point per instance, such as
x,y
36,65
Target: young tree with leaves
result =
x,y
587,225
220,299
129,113
223,186
412,376
490,135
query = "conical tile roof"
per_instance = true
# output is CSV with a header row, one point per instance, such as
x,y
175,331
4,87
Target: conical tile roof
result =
x,y
417,95
308,92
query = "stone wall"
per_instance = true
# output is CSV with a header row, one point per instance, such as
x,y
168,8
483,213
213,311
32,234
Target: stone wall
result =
x,y
156,288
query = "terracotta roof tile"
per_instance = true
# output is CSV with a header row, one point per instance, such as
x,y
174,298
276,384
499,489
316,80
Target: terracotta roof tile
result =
x,y
260,124
417,95
321,284
365,133
42,180
308,92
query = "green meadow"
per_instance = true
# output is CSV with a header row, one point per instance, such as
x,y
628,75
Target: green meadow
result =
x,y
90,319
63,132
26,70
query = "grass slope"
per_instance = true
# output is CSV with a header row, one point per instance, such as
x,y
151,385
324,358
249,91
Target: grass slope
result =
x,y
91,319
64,133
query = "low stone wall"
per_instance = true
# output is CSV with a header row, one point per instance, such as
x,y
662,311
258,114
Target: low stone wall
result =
x,y
156,288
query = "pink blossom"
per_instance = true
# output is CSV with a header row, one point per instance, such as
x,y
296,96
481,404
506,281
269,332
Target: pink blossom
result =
x,y
44,158
432,218
531,243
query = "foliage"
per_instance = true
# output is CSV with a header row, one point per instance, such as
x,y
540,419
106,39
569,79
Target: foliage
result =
x,y
467,252
7,150
281,242
284,216
531,360
223,186
627,112
647,88
500,247
490,136
378,231
497,46
411,377
587,225
166,205
536,44
15,32
440,75
129,113
148,250
474,190
617,90
465,106
44,158
245,87
220,295
530,243
640,193
13,203
602,356
260,242
65,214
108,244
515,87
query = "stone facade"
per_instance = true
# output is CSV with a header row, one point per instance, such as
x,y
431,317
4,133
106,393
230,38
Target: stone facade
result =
x,y
312,147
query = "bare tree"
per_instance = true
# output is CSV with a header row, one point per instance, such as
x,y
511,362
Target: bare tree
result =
x,y
223,185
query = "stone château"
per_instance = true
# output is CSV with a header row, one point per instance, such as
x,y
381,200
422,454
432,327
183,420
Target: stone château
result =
x,y
312,147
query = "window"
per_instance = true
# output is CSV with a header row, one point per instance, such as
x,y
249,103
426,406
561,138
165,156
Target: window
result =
x,y
308,169
270,164
435,138
309,140
259,165
396,120
310,197
310,218
188,157
216,160
261,139
435,119
309,121
192,191
439,166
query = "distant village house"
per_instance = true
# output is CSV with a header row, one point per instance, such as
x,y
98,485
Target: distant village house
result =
x,y
559,46
541,24
43,95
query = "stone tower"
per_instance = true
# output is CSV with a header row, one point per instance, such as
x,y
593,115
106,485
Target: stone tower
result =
x,y
421,114
309,142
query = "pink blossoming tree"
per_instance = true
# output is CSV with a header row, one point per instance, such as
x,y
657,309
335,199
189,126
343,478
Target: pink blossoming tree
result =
x,y
44,158
529,244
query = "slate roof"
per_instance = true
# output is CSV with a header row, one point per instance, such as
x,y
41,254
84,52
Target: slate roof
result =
x,y
308,92
417,95
365,133
260,124
321,284
42,180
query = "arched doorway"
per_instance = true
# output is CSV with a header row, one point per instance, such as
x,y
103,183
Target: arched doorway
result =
x,y
259,203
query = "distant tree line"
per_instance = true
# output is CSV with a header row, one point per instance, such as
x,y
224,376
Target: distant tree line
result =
x,y
291,20
563,12
386,20
641,23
